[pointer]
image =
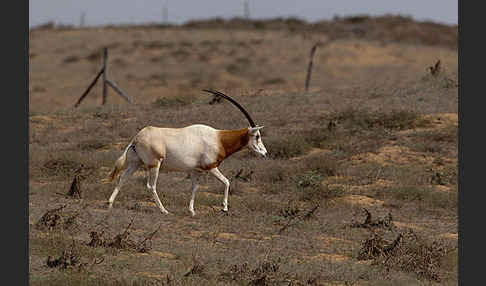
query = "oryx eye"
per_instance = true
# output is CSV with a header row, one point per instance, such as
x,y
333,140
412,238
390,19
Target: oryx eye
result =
x,y
258,137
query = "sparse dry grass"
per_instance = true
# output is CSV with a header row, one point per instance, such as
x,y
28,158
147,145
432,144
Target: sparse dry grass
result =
x,y
370,128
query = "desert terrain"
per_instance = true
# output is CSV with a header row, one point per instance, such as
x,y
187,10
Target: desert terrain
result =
x,y
359,188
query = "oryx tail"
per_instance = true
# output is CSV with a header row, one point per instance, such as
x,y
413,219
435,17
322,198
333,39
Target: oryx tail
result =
x,y
120,165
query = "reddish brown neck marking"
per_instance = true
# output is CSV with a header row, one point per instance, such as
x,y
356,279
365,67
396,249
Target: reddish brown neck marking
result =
x,y
233,140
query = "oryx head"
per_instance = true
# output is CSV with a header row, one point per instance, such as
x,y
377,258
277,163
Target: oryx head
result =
x,y
255,143
255,138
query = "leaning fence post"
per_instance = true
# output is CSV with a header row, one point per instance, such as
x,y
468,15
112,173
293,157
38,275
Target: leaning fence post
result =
x,y
311,57
89,87
309,67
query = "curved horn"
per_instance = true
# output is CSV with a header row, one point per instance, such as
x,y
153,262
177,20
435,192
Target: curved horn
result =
x,y
217,93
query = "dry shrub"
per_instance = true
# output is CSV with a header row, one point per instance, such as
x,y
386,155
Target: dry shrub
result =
x,y
196,269
68,260
376,246
72,259
385,222
266,272
122,240
291,210
410,253
55,219
293,218
119,241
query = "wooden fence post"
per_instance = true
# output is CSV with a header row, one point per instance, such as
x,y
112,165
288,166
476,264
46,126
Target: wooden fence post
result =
x,y
105,71
106,83
309,67
89,87
311,57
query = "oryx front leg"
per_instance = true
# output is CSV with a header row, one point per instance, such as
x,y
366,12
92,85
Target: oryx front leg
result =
x,y
217,174
152,185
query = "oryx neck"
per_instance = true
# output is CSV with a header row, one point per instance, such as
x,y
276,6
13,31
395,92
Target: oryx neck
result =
x,y
233,140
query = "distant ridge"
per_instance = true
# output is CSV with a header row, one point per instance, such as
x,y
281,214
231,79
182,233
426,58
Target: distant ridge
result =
x,y
386,28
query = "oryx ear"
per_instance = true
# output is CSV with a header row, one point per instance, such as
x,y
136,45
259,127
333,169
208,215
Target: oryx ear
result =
x,y
254,129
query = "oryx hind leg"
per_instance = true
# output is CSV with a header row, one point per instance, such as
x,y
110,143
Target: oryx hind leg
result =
x,y
215,172
133,163
152,185
195,177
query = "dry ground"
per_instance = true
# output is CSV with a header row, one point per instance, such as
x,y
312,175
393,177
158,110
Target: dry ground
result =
x,y
376,131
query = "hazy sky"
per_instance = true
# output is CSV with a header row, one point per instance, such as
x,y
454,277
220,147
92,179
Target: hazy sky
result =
x,y
143,11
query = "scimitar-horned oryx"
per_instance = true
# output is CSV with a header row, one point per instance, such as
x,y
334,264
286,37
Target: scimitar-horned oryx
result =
x,y
194,149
